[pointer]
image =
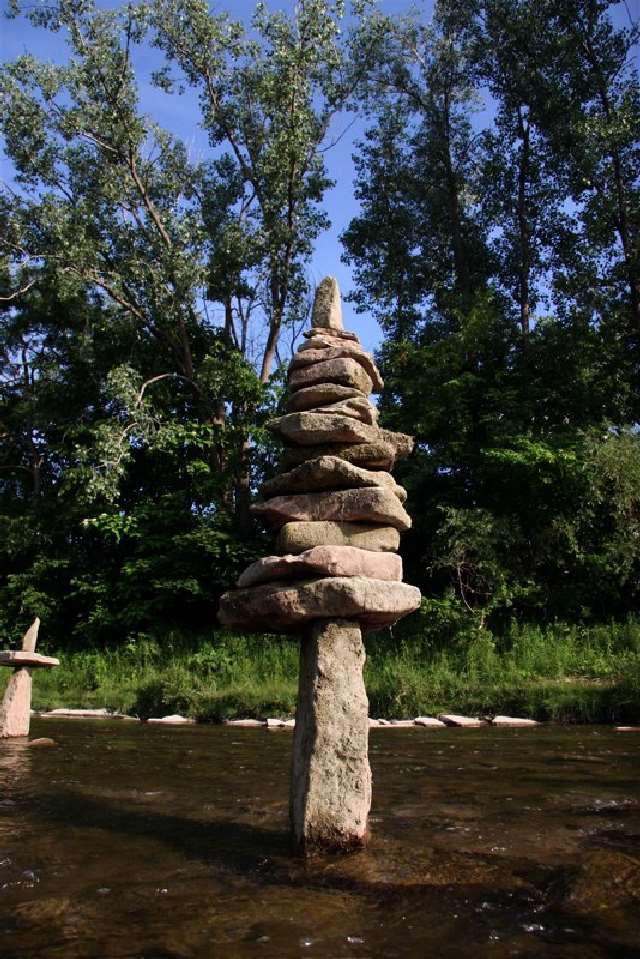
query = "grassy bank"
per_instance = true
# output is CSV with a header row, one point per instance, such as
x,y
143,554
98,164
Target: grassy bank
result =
x,y
572,674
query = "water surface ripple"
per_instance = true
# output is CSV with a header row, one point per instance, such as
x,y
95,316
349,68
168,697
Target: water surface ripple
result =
x,y
128,841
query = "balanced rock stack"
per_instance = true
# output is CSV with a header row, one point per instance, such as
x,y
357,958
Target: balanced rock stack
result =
x,y
339,514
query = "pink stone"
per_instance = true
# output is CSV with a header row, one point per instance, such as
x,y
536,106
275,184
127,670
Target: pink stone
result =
x,y
324,561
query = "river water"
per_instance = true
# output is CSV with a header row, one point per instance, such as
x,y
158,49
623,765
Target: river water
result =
x,y
127,840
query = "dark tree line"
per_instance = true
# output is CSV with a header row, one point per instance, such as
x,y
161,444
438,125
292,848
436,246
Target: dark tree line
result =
x,y
149,300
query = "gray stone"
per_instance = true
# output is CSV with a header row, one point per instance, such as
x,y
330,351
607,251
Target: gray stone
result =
x,y
371,456
452,719
329,472
324,561
310,429
175,719
285,607
319,395
429,721
297,537
358,408
374,504
30,638
307,357
249,723
331,780
15,711
327,306
512,721
345,371
336,334
64,713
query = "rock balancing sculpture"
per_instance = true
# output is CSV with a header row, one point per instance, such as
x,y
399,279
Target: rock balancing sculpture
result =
x,y
15,711
339,514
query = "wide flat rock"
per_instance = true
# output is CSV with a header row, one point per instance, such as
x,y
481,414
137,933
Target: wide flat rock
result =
x,y
298,537
513,721
326,473
279,607
366,505
23,658
453,719
357,407
309,429
319,395
334,333
324,561
345,371
307,356
371,456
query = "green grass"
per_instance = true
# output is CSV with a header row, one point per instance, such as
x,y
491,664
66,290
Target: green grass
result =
x,y
567,673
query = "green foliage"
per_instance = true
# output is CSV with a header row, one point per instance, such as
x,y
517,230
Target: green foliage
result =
x,y
560,672
132,410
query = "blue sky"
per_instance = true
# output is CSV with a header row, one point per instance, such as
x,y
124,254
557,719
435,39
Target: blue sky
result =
x,y
180,115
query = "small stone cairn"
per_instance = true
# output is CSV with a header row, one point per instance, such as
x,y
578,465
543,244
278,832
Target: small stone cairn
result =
x,y
15,711
339,514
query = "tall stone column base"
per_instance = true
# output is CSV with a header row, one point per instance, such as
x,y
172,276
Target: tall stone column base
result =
x,y
331,779
15,711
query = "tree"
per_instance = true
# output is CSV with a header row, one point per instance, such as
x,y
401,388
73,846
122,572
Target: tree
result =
x,y
495,278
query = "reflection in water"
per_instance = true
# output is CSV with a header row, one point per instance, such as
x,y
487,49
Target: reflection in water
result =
x,y
134,841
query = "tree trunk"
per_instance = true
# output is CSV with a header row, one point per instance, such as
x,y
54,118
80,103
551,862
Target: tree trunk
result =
x,y
523,227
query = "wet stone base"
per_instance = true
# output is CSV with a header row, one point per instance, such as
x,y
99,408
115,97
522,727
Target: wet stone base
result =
x,y
331,779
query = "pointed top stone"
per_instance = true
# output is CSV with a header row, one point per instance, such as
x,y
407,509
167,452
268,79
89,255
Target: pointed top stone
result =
x,y
30,638
327,306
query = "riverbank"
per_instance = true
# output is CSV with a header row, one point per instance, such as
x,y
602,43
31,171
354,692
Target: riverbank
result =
x,y
561,673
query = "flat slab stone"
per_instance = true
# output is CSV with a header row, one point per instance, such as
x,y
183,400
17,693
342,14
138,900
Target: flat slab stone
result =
x,y
284,607
374,504
324,561
452,719
297,537
333,332
309,429
627,729
429,721
327,473
372,456
513,721
357,407
307,356
345,371
64,713
327,305
21,659
399,723
248,723
319,395
175,719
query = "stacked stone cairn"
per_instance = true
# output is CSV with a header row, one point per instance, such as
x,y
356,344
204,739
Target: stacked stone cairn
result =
x,y
15,709
339,514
